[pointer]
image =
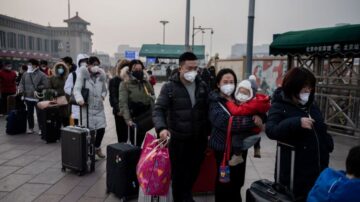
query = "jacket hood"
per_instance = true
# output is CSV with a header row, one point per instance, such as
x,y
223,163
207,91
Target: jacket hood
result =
x,y
57,66
80,57
125,76
85,72
247,85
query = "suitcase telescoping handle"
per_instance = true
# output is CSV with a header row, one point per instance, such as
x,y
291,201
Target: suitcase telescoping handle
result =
x,y
135,134
292,166
87,115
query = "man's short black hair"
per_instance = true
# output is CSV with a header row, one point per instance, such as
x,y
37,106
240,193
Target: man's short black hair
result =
x,y
34,62
92,60
67,60
353,162
43,62
186,56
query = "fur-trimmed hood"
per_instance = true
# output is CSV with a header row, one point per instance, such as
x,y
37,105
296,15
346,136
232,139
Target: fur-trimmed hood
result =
x,y
125,76
57,66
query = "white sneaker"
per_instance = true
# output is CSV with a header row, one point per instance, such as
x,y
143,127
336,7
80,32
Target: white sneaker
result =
x,y
236,160
30,131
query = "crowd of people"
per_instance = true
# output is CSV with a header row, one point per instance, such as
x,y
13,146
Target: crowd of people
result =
x,y
197,109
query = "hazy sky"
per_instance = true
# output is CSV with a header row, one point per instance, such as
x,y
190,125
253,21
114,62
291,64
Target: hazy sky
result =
x,y
136,22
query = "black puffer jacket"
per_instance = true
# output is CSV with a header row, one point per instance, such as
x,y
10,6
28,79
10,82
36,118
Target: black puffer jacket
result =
x,y
312,147
114,85
173,110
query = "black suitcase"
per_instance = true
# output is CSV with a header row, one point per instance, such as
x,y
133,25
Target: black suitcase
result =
x,y
122,159
16,122
264,190
14,102
77,148
51,122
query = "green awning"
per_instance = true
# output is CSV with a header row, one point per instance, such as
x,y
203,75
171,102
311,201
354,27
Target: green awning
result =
x,y
169,51
341,39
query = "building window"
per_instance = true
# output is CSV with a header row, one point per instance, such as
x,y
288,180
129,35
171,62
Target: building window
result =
x,y
38,44
56,46
22,41
46,45
2,39
11,38
31,41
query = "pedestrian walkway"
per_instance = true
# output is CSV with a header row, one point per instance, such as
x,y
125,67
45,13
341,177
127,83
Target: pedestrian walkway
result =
x,y
30,169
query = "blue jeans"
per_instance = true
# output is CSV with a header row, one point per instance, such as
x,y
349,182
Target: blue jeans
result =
x,y
245,144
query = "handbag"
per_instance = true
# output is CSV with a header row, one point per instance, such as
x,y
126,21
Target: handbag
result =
x,y
224,175
84,94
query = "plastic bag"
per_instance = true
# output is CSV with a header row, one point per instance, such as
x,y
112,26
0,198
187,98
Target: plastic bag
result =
x,y
153,169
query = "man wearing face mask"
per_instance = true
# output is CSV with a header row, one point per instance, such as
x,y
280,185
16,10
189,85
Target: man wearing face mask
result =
x,y
70,82
181,113
8,86
31,82
44,68
93,78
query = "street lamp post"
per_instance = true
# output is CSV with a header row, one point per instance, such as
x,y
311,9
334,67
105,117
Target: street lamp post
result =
x,y
250,38
202,29
187,26
164,22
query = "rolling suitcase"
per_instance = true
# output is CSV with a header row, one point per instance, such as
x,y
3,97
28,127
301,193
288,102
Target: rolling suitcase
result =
x,y
77,147
264,190
16,122
14,102
122,159
147,198
51,120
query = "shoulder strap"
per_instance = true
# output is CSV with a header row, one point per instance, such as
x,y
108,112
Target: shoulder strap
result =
x,y
32,82
74,77
224,108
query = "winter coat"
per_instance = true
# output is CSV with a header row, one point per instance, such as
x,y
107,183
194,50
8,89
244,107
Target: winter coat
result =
x,y
7,81
174,111
97,93
57,82
114,85
219,118
31,82
70,82
334,186
135,97
260,104
312,147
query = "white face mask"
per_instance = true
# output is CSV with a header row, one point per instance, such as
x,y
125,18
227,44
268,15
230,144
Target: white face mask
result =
x,y
190,76
242,97
304,98
95,69
83,64
30,68
227,89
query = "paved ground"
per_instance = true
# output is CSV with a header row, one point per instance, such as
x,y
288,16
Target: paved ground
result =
x,y
30,169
